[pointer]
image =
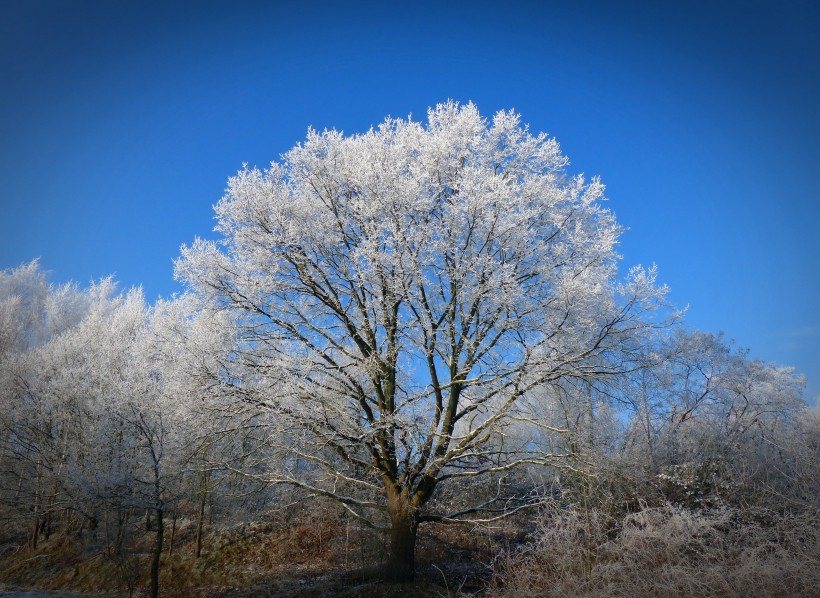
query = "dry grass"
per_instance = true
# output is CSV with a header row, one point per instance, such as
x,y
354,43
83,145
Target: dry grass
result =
x,y
665,552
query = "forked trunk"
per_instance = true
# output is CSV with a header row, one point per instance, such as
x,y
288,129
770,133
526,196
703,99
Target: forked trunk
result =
x,y
401,564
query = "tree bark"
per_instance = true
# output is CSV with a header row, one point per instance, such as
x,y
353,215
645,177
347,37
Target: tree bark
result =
x,y
173,533
47,523
200,521
123,515
35,531
155,558
404,523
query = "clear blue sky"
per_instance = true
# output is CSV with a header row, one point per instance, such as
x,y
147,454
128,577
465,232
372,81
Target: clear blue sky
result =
x,y
120,123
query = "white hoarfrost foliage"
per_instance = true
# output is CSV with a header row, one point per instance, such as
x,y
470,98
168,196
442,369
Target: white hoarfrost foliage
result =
x,y
33,314
106,417
191,348
88,424
32,310
397,294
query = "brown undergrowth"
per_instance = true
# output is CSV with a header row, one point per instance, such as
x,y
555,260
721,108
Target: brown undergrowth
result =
x,y
320,553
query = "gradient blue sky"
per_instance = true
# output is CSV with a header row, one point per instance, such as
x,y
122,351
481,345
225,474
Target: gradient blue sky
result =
x,y
120,123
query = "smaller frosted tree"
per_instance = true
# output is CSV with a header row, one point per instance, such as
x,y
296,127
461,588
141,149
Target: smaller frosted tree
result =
x,y
399,293
109,379
189,346
33,314
710,411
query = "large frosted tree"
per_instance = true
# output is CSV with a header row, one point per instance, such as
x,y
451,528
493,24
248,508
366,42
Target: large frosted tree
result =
x,y
400,295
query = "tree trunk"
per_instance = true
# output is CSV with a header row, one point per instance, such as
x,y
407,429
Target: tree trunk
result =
x,y
19,487
401,563
47,524
156,556
123,515
173,533
35,531
200,521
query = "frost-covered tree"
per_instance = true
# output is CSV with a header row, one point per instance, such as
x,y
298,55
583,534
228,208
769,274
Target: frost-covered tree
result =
x,y
33,313
702,382
116,429
400,293
188,346
709,409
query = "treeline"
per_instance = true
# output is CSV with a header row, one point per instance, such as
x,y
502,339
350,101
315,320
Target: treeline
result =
x,y
119,417
106,428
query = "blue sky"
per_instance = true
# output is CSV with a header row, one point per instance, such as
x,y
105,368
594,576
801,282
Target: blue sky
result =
x,y
121,122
